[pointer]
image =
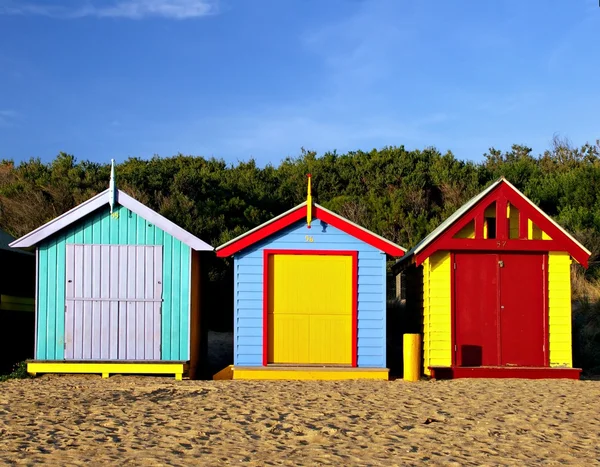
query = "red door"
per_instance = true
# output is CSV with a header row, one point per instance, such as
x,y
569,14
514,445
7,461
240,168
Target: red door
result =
x,y
476,309
499,310
522,320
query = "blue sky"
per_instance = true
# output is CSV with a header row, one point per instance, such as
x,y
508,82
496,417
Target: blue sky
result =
x,y
237,79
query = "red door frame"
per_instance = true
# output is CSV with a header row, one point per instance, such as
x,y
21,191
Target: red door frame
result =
x,y
453,305
352,254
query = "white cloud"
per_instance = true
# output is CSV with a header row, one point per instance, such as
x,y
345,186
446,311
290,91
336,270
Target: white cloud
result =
x,y
131,9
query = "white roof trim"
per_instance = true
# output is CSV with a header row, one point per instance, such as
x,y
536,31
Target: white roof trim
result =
x,y
360,228
60,222
468,205
162,222
239,237
451,219
92,204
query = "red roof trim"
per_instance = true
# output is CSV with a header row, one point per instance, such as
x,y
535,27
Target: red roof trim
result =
x,y
351,229
502,193
261,234
321,214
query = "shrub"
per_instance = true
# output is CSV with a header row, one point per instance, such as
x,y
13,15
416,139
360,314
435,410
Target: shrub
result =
x,y
19,372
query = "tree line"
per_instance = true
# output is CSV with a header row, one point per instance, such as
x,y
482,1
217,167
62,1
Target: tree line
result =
x,y
398,193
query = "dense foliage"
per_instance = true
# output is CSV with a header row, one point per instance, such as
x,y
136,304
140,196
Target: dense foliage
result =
x,y
399,194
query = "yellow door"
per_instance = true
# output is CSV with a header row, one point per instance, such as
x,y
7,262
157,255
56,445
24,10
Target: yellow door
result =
x,y
310,309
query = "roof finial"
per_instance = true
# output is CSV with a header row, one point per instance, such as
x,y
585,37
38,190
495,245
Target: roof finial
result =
x,y
111,186
309,203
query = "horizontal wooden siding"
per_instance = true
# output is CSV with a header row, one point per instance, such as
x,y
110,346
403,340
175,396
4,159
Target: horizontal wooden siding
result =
x,y
437,314
559,309
248,321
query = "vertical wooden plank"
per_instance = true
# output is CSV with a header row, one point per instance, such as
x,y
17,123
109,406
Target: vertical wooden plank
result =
x,y
479,224
78,304
96,223
139,306
96,274
141,231
41,353
158,280
113,353
131,311
122,307
105,304
87,232
51,306
78,234
184,311
167,304
131,228
123,224
114,226
87,305
60,296
149,306
176,300
501,219
70,303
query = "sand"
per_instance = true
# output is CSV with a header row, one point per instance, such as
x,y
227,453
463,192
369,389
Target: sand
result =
x,y
71,420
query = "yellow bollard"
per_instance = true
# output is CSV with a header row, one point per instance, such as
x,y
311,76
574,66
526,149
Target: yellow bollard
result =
x,y
412,357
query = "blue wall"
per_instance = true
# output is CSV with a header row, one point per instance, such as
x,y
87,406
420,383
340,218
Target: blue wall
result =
x,y
248,265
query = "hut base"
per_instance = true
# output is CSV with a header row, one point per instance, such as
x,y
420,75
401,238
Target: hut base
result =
x,y
178,369
445,372
300,373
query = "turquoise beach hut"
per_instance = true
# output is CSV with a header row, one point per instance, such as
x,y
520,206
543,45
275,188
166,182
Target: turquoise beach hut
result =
x,y
118,290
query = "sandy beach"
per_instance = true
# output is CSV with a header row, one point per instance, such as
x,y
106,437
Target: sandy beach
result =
x,y
73,420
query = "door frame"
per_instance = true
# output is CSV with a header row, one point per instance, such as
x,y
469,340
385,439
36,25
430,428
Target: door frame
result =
x,y
545,317
352,253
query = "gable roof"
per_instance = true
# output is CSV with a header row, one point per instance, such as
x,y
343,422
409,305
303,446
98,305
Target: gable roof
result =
x,y
101,199
5,240
299,212
465,208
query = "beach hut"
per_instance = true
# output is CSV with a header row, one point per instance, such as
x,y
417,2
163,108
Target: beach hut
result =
x,y
17,286
118,290
309,298
492,285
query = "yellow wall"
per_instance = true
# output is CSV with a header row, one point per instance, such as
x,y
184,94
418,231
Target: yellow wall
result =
x,y
559,309
437,327
468,231
513,221
535,233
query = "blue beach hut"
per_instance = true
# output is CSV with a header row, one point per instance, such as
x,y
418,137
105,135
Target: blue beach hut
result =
x,y
310,298
117,291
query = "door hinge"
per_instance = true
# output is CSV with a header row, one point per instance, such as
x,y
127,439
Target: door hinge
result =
x,y
455,348
454,265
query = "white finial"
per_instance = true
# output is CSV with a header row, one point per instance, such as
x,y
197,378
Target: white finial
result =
x,y
111,186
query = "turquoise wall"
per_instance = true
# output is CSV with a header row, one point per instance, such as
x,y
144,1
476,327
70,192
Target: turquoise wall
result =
x,y
123,227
